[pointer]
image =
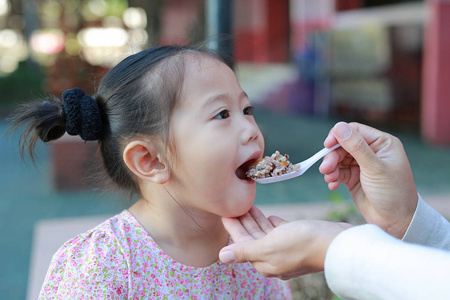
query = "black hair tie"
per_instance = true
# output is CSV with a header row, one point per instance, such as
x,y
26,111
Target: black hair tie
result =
x,y
82,115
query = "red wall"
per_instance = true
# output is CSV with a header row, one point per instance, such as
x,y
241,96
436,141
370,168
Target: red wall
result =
x,y
436,69
261,30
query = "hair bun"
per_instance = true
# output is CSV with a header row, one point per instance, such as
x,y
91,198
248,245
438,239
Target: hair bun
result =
x,y
82,115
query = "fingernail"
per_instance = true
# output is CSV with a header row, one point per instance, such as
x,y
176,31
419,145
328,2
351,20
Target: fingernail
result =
x,y
343,131
227,257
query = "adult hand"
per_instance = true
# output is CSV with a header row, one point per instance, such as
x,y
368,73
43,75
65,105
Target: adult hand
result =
x,y
277,248
375,169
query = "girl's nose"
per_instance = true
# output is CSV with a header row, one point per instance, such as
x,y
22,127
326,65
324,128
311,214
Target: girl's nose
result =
x,y
250,131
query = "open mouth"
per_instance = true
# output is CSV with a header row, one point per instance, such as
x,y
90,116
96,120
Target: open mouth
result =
x,y
240,172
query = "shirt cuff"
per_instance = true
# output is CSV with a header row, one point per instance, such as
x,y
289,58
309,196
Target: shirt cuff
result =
x,y
428,228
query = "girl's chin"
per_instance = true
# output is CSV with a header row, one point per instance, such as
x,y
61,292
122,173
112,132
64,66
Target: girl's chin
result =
x,y
239,212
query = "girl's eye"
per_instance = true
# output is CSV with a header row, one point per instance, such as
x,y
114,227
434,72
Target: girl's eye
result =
x,y
224,114
248,110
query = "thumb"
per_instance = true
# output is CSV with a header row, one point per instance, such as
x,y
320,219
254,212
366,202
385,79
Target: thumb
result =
x,y
355,144
241,252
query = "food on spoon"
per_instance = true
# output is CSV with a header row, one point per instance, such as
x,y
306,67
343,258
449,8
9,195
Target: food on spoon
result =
x,y
271,166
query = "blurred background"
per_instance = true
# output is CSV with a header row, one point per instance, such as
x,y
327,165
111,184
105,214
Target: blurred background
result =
x,y
305,65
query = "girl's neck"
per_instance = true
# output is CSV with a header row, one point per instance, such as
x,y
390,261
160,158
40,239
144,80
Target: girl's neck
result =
x,y
188,239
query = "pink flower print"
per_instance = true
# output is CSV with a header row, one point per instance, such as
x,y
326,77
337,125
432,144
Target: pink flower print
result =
x,y
153,275
119,290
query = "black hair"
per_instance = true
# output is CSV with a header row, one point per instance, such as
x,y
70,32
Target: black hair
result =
x,y
135,98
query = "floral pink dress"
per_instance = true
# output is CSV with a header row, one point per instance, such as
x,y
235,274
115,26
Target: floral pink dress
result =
x,y
119,260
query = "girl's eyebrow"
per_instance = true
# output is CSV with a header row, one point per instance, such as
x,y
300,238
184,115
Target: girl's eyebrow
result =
x,y
219,97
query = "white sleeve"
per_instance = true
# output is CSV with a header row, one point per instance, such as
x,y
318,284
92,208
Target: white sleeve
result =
x,y
364,262
428,228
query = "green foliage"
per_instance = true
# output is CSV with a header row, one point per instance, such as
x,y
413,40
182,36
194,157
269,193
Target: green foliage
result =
x,y
343,210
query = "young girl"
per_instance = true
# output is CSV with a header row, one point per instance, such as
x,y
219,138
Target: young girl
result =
x,y
174,126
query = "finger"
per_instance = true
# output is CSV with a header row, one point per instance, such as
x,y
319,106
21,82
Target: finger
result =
x,y
277,221
330,162
355,140
350,176
333,185
251,226
330,140
369,134
250,251
333,160
332,176
237,232
261,220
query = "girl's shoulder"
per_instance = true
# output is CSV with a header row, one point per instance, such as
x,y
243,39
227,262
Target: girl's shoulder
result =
x,y
112,236
99,257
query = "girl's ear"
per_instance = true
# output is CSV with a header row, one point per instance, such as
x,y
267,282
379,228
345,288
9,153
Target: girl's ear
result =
x,y
144,160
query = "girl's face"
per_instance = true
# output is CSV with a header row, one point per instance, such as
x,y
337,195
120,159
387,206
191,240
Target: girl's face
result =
x,y
216,138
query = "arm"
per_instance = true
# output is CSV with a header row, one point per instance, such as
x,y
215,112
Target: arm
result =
x,y
364,262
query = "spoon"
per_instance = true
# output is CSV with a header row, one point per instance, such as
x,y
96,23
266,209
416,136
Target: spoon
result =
x,y
304,165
